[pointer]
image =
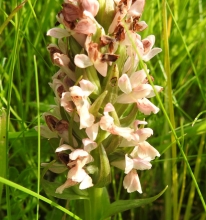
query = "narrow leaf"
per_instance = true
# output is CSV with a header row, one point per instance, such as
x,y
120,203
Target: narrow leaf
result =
x,y
126,121
11,16
104,169
123,205
34,194
94,109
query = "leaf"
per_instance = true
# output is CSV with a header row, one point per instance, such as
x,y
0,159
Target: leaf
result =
x,y
113,144
70,193
123,205
110,84
131,116
97,104
104,169
11,16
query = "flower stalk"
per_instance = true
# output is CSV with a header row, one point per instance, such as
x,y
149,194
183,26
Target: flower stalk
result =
x,y
101,89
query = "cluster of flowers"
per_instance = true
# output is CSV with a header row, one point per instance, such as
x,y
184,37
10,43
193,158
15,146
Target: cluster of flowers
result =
x,y
100,89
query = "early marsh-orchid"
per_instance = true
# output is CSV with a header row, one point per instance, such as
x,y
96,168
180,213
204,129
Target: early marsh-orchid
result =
x,y
101,89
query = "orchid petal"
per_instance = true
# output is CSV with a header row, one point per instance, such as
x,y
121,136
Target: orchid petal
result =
x,y
136,8
115,21
128,164
138,92
141,25
144,133
61,59
137,78
148,43
89,145
67,184
109,108
138,122
85,26
82,61
87,87
101,67
91,5
86,182
124,84
142,163
58,33
124,132
144,149
66,101
152,94
78,153
86,119
63,148
92,131
151,54
131,182
146,107
76,174
106,123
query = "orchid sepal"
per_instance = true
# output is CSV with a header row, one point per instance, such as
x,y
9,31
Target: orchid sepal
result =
x,y
111,85
97,104
131,116
75,47
90,73
103,177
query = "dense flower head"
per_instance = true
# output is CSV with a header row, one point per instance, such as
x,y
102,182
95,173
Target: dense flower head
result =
x,y
100,70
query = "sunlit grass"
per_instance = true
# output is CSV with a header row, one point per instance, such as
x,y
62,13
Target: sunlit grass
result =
x,y
25,70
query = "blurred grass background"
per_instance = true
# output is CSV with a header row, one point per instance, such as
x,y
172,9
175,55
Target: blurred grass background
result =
x,y
179,27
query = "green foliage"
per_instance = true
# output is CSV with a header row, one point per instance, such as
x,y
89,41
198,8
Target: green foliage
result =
x,y
123,205
25,37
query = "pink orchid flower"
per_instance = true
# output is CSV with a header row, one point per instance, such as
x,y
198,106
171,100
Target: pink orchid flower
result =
x,y
92,131
126,9
61,59
144,48
147,107
77,174
136,163
99,60
135,90
107,123
144,149
79,97
94,58
139,135
131,182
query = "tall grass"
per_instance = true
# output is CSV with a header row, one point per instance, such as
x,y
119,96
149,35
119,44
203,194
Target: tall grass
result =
x,y
179,128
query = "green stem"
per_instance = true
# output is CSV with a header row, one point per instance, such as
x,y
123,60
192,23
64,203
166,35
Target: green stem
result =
x,y
3,151
196,174
95,195
171,108
87,209
39,137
